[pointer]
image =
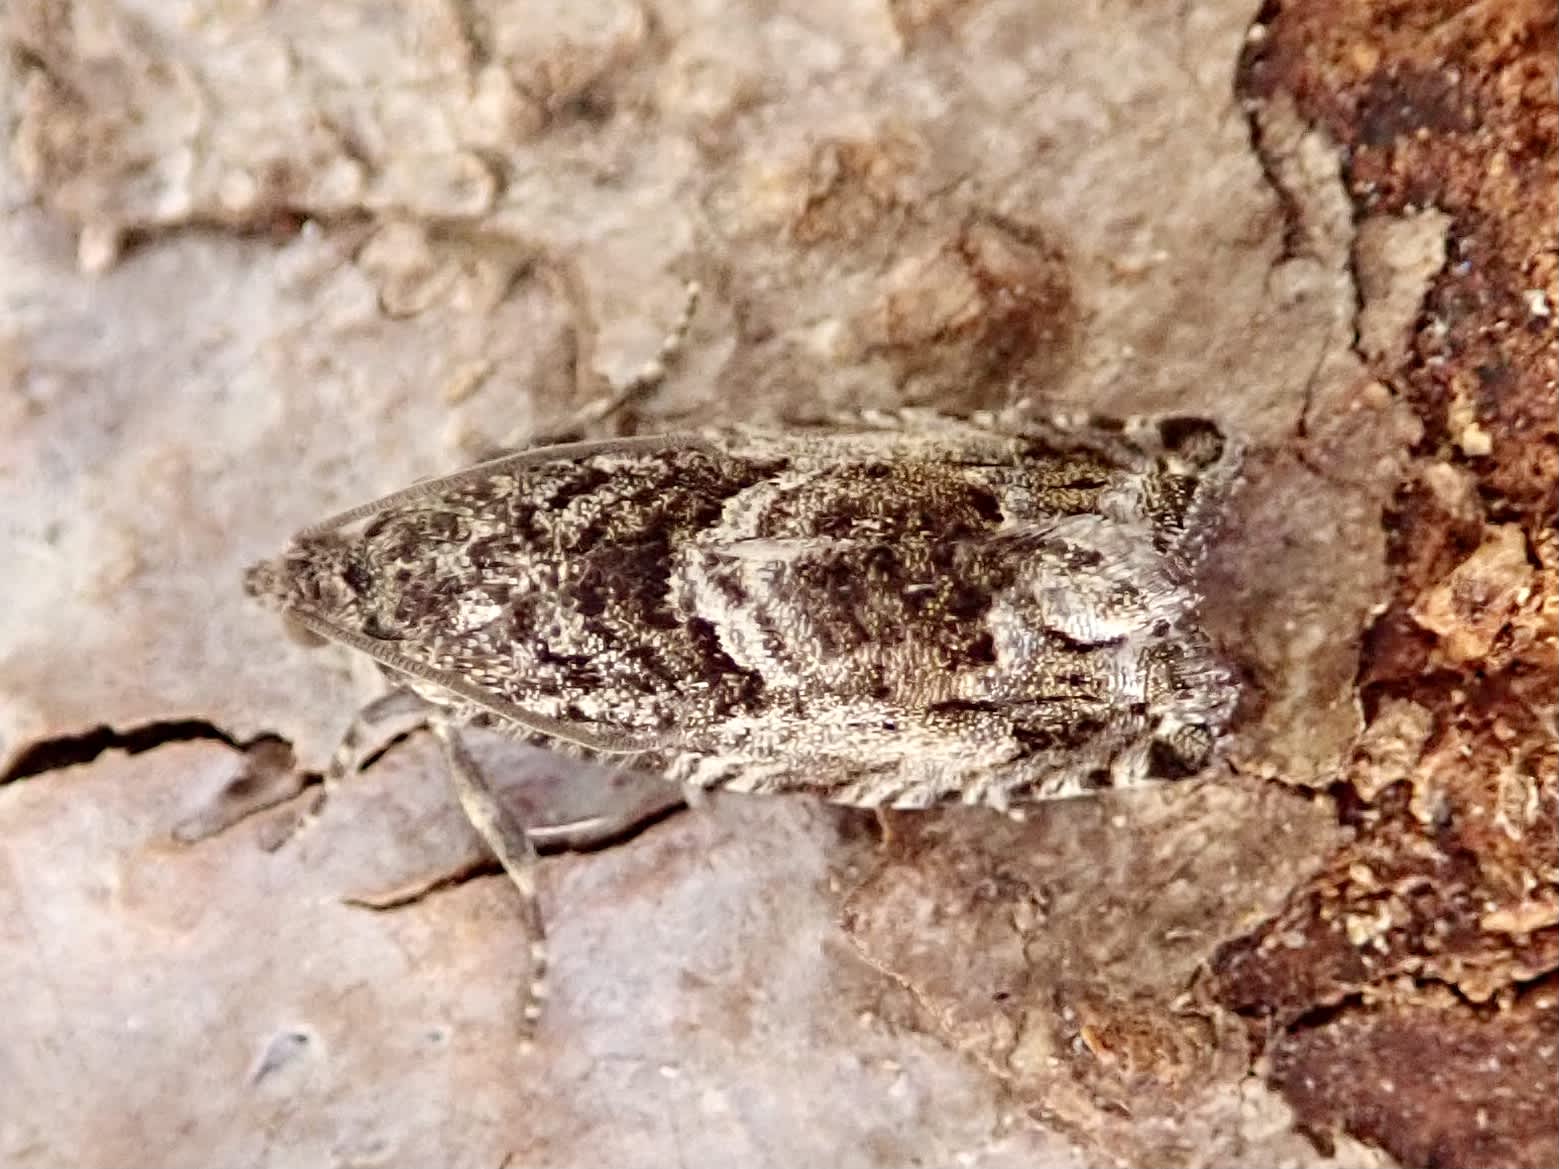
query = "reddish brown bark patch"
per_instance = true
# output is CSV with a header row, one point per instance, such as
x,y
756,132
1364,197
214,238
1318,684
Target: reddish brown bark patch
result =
x,y
1452,791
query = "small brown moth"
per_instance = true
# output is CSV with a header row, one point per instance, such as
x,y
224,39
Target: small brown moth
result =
x,y
915,611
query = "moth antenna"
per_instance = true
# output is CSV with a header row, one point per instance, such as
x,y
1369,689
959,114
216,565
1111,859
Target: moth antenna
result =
x,y
508,840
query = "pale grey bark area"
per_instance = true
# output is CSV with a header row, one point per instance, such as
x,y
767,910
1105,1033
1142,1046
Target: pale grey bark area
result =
x,y
261,262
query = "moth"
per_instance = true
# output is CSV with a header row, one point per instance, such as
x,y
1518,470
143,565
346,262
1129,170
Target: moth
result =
x,y
913,611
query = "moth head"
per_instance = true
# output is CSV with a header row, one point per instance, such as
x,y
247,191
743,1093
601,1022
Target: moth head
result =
x,y
1192,446
317,577
1197,466
1179,750
1194,697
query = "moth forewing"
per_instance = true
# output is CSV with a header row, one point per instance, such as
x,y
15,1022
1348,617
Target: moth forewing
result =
x,y
933,611
721,592
429,488
433,681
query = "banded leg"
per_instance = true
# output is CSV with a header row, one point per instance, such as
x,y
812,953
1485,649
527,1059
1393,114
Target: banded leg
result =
x,y
621,813
509,842
652,373
363,733
643,383
365,729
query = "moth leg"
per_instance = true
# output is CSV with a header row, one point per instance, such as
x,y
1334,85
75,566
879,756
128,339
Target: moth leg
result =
x,y
509,842
365,729
362,734
618,819
651,375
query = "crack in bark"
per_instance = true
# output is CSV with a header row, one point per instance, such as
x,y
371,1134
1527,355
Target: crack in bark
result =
x,y
1249,94
64,751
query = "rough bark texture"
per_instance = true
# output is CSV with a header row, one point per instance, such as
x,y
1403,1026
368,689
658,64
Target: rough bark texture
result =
x,y
1410,981
261,262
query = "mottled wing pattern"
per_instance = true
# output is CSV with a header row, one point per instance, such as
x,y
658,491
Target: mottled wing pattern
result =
x,y
935,611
